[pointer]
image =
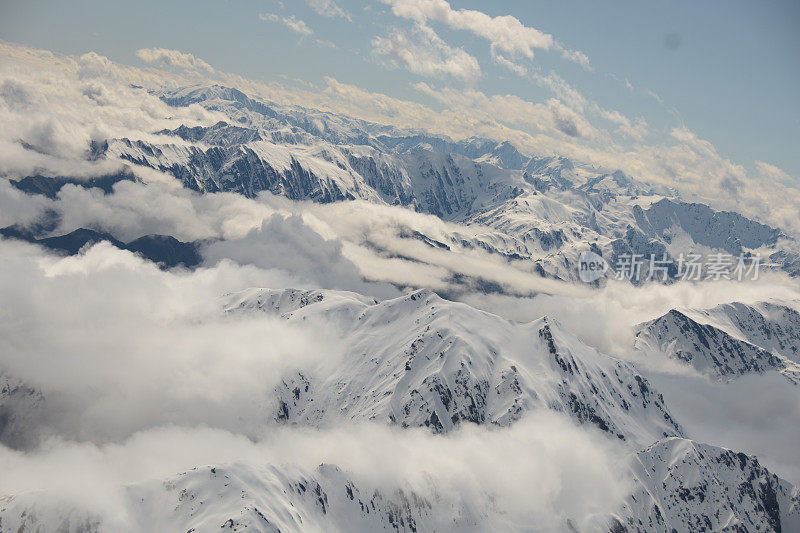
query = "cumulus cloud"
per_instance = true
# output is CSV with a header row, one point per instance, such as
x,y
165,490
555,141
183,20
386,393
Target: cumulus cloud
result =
x,y
505,32
288,244
164,57
88,316
53,109
425,53
568,464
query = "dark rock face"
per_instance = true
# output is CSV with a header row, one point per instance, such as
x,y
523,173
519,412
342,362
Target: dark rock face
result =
x,y
165,250
71,243
690,486
717,229
720,355
50,186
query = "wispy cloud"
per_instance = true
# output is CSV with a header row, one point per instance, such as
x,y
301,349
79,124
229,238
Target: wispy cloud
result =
x,y
329,8
423,52
514,67
293,23
507,33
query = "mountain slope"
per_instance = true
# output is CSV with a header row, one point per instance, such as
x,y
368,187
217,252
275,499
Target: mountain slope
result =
x,y
727,341
678,485
420,360
686,486
543,209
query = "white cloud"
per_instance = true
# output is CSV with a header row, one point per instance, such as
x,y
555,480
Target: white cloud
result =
x,y
425,53
173,58
505,32
551,117
654,96
634,129
288,244
293,23
562,89
325,44
516,68
773,173
115,109
567,462
329,8
575,56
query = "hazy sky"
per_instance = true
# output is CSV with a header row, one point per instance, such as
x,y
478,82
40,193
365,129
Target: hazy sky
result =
x,y
729,71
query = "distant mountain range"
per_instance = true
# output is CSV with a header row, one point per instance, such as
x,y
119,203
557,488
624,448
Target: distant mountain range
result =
x,y
541,209
422,361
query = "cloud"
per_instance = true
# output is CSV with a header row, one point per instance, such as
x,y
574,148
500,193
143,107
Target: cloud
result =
x,y
425,53
634,129
329,8
605,318
567,462
334,246
566,92
516,68
190,395
288,244
325,44
293,23
757,414
772,173
53,108
654,96
575,56
164,57
64,131
197,390
86,317
505,32
552,116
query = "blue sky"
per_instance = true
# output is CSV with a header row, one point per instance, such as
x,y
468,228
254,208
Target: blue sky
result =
x,y
729,71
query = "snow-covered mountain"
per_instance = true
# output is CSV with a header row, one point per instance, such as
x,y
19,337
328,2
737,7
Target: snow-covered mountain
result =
x,y
416,363
678,485
686,486
246,497
420,360
543,209
729,340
